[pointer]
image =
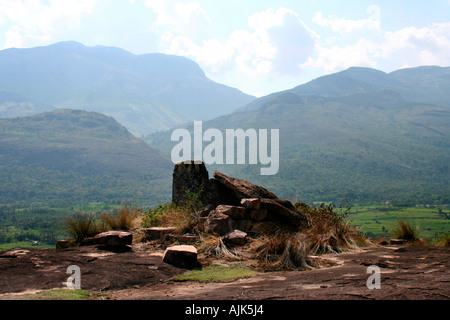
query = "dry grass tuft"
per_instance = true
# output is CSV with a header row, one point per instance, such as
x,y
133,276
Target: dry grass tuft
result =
x,y
123,219
405,230
325,231
81,226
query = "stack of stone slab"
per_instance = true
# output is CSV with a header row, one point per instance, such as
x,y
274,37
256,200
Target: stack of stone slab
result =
x,y
232,203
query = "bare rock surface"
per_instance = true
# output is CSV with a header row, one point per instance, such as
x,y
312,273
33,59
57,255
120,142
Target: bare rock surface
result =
x,y
407,272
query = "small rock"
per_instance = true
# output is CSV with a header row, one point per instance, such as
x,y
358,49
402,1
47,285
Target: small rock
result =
x,y
182,255
235,237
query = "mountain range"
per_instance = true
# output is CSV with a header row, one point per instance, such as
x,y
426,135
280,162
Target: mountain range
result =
x,y
145,93
75,155
360,134
71,114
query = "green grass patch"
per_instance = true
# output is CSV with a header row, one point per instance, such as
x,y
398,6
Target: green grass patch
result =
x,y
381,221
58,294
217,273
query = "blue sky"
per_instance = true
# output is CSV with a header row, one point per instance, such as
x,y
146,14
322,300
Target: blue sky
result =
x,y
258,47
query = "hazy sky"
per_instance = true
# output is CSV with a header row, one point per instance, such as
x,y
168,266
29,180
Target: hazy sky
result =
x,y
257,46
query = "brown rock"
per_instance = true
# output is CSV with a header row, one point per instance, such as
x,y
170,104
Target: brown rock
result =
x,y
111,238
244,225
218,194
234,212
258,215
182,255
235,237
242,188
218,223
156,233
280,211
252,203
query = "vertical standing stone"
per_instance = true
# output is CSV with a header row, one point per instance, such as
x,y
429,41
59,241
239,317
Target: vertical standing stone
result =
x,y
189,176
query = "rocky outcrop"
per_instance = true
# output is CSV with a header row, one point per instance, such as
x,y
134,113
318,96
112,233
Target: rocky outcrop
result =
x,y
231,198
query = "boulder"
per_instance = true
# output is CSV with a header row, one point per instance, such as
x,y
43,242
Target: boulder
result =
x,y
111,238
217,194
242,188
189,176
280,211
181,255
234,212
235,237
218,223
252,203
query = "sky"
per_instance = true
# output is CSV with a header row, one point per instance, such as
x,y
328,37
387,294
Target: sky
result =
x,y
257,46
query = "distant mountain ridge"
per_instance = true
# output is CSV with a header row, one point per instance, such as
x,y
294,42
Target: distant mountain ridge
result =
x,y
74,155
145,93
361,135
426,84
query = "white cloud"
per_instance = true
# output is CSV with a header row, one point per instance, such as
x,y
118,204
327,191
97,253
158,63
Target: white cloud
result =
x,y
34,21
342,25
176,18
336,58
277,41
407,47
418,46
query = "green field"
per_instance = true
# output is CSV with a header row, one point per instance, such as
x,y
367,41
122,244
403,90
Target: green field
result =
x,y
40,226
37,226
378,221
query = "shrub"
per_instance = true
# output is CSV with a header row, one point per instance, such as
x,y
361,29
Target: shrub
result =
x,y
443,240
325,230
184,217
122,219
405,230
82,226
